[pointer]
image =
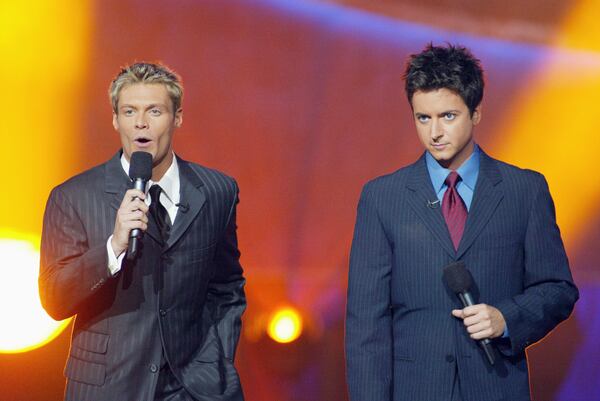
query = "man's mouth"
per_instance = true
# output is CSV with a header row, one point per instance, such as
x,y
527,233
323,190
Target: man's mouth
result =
x,y
142,141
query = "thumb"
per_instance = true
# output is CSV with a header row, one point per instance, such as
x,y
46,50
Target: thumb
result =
x,y
458,313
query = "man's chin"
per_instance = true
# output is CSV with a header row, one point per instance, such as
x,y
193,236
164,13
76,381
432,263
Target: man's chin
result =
x,y
443,160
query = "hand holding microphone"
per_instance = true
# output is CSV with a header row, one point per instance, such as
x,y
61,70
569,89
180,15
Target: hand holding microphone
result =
x,y
132,217
481,321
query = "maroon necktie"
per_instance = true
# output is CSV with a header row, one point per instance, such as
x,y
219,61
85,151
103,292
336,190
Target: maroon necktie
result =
x,y
454,209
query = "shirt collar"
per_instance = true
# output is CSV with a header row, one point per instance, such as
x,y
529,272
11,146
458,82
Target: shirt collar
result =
x,y
169,182
468,171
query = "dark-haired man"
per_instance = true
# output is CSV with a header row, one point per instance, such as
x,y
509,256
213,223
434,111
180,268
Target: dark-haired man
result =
x,y
164,324
407,335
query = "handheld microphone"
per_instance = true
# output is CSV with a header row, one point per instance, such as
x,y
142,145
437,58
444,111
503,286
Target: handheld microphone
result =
x,y
460,280
140,171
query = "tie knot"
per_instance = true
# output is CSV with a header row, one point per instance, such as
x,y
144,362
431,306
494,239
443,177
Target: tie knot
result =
x,y
452,179
154,192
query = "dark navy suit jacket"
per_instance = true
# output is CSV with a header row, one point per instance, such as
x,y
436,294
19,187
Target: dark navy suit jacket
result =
x,y
179,305
401,341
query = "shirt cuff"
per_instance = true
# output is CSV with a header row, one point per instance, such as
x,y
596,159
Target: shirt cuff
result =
x,y
114,262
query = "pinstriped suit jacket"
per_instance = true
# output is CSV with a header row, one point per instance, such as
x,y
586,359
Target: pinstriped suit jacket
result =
x,y
179,305
401,341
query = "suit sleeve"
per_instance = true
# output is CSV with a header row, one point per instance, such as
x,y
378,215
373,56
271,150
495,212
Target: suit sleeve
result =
x,y
549,293
226,299
70,271
368,315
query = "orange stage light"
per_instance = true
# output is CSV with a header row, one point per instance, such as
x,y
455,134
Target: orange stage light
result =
x,y
45,46
285,325
25,325
551,125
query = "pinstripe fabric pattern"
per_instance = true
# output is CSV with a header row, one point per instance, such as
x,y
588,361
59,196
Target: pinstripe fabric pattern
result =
x,y
179,305
401,341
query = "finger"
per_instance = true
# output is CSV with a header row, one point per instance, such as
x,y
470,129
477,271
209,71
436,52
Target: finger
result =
x,y
139,204
131,224
480,335
458,313
136,215
143,207
473,309
134,193
479,327
475,319
134,206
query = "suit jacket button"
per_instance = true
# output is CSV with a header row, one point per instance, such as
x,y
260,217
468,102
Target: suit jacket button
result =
x,y
162,312
153,368
449,358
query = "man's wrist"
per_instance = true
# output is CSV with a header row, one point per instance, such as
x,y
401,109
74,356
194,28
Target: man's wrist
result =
x,y
117,251
115,260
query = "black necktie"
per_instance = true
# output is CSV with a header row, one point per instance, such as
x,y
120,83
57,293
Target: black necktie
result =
x,y
159,213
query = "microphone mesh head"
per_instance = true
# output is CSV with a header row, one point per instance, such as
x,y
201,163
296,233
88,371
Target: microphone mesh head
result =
x,y
457,277
140,166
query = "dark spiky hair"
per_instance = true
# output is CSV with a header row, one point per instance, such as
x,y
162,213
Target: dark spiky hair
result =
x,y
451,67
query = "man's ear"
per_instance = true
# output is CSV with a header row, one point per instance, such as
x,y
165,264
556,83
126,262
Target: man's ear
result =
x,y
115,122
179,117
476,117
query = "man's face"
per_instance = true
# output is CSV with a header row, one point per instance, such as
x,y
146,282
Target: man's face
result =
x,y
445,126
145,120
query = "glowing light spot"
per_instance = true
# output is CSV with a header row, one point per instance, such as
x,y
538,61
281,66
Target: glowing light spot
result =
x,y
549,128
45,58
25,324
285,325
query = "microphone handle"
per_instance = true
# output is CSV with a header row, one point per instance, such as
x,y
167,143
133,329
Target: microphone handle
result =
x,y
467,300
136,233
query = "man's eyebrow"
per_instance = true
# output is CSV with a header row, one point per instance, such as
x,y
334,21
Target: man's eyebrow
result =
x,y
449,111
147,106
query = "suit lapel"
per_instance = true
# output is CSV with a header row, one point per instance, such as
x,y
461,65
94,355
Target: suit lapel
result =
x,y
420,193
487,196
192,199
116,182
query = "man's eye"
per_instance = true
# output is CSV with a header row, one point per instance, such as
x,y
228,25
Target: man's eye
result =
x,y
155,112
449,116
423,119
128,112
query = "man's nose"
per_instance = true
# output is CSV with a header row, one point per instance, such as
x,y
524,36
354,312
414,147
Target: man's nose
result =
x,y
437,130
140,122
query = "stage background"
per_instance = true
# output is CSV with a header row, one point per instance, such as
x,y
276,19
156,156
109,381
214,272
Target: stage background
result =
x,y
303,102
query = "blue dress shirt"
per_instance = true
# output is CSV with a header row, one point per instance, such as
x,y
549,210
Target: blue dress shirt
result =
x,y
468,171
